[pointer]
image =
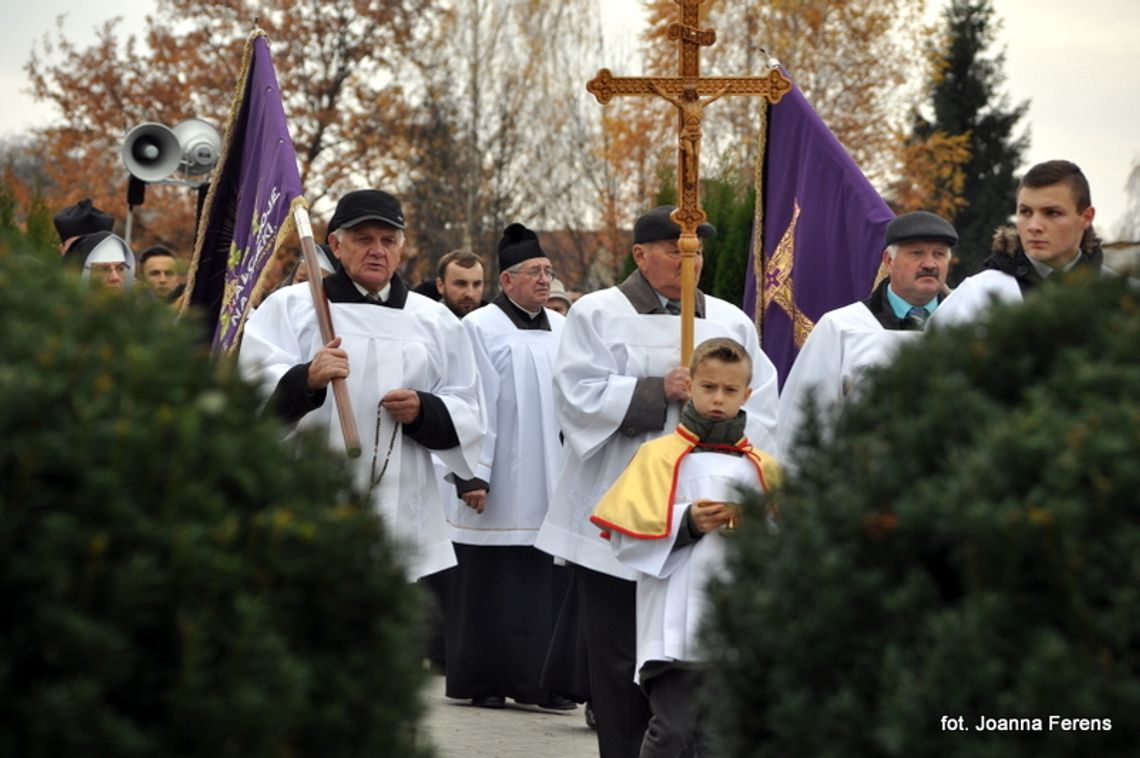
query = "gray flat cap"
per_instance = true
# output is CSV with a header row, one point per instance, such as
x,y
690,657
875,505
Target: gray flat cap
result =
x,y
920,225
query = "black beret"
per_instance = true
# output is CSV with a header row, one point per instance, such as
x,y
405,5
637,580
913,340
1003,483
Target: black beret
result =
x,y
517,245
367,205
920,225
81,218
656,225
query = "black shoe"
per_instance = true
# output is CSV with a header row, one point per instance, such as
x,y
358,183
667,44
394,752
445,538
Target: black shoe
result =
x,y
489,701
558,703
590,720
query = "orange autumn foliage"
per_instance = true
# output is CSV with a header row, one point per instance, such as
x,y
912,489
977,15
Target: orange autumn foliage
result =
x,y
337,63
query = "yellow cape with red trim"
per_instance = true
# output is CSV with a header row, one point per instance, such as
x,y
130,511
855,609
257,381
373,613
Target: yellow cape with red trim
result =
x,y
640,502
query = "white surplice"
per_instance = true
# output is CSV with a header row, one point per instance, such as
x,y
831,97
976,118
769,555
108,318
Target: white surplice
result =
x,y
840,349
521,451
975,295
422,347
671,599
605,347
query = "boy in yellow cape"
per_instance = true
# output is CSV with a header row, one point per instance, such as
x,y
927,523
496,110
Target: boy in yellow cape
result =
x,y
665,517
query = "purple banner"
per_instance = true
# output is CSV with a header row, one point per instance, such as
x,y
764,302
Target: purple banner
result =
x,y
823,230
248,208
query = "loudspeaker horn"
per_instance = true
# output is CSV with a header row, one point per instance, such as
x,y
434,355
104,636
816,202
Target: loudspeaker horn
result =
x,y
151,152
201,146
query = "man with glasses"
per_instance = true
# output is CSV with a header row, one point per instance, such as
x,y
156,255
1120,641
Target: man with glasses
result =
x,y
504,597
406,361
106,259
618,383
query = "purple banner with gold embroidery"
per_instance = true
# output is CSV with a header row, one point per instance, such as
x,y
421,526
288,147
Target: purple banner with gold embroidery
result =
x,y
246,215
822,234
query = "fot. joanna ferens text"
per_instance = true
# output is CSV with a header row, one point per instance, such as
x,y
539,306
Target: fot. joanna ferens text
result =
x,y
1052,723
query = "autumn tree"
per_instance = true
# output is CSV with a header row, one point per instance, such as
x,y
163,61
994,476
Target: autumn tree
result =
x,y
436,215
853,59
7,207
932,175
24,212
39,227
339,64
504,130
1129,229
636,145
966,101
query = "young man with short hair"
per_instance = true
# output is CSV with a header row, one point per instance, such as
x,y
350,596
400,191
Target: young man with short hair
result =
x,y
460,282
1054,236
160,271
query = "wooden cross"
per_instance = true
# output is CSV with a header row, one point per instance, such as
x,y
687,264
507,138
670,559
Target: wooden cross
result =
x,y
685,93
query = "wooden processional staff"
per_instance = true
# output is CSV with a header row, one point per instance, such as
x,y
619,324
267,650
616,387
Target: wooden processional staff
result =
x,y
324,323
685,92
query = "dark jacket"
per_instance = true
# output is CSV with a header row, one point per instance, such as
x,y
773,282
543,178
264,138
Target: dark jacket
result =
x,y
880,308
1009,257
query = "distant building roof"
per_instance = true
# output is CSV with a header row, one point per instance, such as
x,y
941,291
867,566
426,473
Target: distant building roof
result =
x,y
1123,256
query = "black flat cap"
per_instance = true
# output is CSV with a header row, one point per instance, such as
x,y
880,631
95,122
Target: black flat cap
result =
x,y
920,225
363,205
656,225
81,218
518,244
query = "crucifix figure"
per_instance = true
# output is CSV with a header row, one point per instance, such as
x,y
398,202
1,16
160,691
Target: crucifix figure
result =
x,y
685,92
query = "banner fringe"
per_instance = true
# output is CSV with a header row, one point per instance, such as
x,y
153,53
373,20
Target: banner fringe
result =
x,y
758,219
227,142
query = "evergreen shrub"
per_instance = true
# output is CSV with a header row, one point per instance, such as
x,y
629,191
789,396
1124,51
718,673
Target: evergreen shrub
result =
x,y
967,545
175,580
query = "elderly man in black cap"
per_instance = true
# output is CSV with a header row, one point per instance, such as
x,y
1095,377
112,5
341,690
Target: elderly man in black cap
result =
x,y
77,220
847,341
618,383
407,363
504,598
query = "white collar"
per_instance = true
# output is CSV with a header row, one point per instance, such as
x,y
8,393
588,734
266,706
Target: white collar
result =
x,y
532,314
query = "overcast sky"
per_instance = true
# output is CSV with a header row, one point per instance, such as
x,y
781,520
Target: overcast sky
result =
x,y
1075,61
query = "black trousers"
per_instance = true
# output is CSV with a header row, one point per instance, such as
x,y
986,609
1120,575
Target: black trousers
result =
x,y
677,729
620,707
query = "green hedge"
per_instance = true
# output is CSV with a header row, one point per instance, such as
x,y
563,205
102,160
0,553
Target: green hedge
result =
x,y
968,545
175,580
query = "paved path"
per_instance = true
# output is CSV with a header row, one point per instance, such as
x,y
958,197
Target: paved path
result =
x,y
459,730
